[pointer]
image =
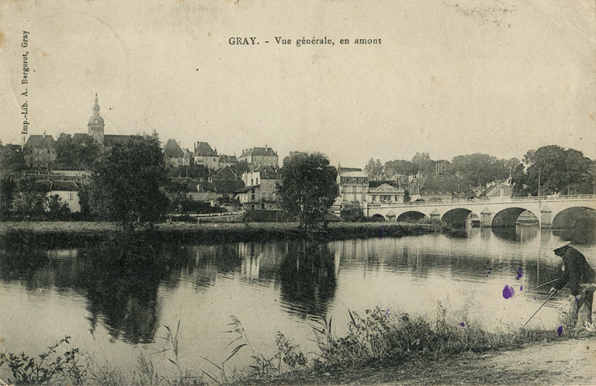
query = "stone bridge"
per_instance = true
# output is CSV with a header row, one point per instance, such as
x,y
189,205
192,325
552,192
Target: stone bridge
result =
x,y
558,212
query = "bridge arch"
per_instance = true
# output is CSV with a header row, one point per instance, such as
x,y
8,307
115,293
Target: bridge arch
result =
x,y
410,216
509,217
378,217
458,217
577,224
575,217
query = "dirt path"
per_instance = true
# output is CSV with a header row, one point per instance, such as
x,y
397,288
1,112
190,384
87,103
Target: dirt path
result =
x,y
571,362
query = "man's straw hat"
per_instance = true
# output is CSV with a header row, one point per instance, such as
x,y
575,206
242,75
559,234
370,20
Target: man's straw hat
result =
x,y
561,245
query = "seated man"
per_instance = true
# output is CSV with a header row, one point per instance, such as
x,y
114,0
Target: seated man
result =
x,y
579,276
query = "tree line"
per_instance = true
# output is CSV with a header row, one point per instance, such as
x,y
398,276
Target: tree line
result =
x,y
550,169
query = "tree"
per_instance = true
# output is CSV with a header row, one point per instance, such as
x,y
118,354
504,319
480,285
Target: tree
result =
x,y
127,183
11,159
352,214
400,167
57,209
422,162
308,188
479,169
553,170
8,188
79,152
374,168
30,199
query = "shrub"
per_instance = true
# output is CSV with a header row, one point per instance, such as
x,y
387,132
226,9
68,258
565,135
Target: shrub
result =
x,y
49,368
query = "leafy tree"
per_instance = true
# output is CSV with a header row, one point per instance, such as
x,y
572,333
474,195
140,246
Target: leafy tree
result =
x,y
57,209
86,211
374,169
127,183
479,169
11,159
175,191
76,152
30,200
400,167
308,188
8,189
556,170
352,214
423,163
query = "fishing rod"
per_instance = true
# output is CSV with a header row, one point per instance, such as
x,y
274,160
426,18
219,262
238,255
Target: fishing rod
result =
x,y
533,288
539,308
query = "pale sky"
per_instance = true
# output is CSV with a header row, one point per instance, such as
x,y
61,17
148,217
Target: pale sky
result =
x,y
450,77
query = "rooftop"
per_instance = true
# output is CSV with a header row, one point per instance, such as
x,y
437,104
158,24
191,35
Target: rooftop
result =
x,y
172,149
204,149
266,151
40,141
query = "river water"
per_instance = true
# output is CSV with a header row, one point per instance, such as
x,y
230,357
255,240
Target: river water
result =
x,y
114,300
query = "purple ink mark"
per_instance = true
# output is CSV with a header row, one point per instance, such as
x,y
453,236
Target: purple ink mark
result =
x,y
387,312
508,292
521,287
559,330
382,232
520,273
462,324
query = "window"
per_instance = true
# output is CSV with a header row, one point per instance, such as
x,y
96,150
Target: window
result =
x,y
70,196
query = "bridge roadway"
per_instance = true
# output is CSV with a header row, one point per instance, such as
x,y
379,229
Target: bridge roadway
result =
x,y
490,212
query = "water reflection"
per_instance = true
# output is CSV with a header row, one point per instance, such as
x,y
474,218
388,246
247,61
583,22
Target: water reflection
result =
x,y
518,233
122,291
307,279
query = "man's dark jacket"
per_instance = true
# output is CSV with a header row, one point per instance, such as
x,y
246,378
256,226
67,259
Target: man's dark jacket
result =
x,y
577,271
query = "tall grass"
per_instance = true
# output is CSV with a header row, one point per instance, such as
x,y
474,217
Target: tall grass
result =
x,y
381,335
377,336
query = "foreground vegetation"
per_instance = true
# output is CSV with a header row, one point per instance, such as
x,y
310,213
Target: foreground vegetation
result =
x,y
377,338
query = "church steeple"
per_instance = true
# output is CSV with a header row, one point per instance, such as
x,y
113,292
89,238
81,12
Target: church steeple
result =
x,y
96,125
96,107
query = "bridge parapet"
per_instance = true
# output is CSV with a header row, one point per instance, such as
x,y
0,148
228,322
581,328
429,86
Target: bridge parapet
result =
x,y
508,200
544,208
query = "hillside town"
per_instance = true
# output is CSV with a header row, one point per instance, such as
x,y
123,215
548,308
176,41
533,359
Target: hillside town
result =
x,y
213,182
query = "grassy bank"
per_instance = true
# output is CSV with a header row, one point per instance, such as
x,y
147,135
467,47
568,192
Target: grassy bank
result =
x,y
376,341
380,340
74,233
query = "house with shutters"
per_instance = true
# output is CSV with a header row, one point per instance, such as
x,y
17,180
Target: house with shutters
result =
x,y
40,151
260,192
205,155
258,156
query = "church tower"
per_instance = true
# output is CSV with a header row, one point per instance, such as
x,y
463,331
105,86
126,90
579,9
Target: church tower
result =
x,y
96,125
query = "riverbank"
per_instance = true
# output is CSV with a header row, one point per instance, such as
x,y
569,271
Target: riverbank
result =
x,y
565,362
379,349
383,349
57,232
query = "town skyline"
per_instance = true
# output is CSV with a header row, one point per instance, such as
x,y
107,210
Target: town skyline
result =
x,y
190,146
458,78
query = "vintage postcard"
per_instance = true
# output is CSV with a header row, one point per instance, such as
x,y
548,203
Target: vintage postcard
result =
x,y
306,192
